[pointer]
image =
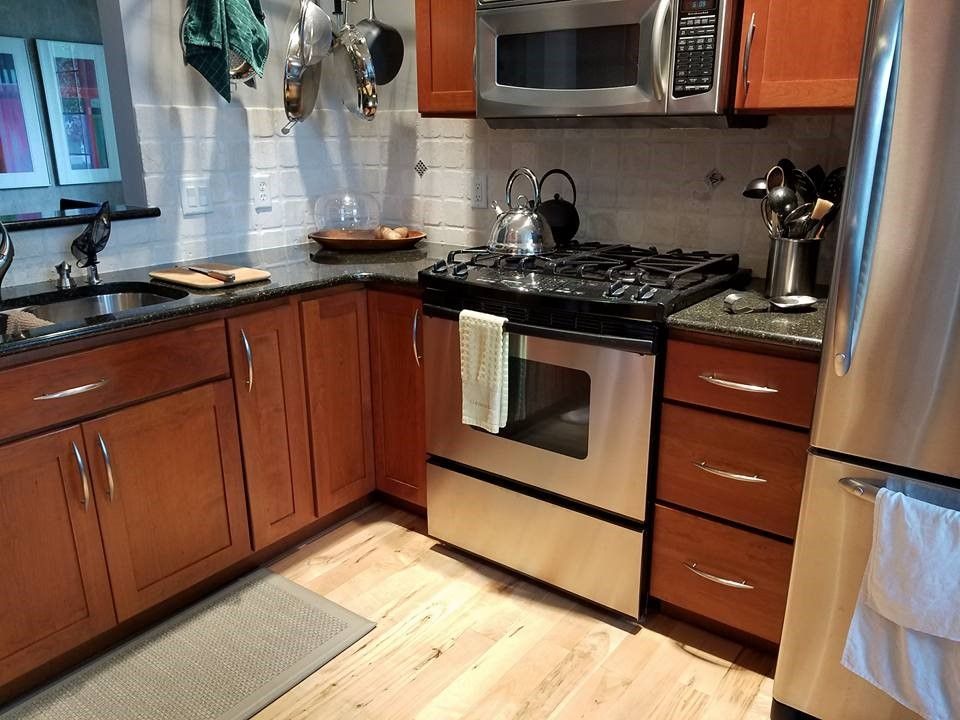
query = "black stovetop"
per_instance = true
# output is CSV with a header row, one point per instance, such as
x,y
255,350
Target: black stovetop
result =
x,y
620,280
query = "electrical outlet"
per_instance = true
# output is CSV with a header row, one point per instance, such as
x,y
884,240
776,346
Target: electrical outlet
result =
x,y
195,196
479,192
262,192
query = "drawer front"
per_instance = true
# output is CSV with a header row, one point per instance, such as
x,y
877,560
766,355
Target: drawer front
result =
x,y
56,391
735,577
740,470
594,559
761,386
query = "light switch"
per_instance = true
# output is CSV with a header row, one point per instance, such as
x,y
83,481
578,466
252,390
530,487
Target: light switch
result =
x,y
195,195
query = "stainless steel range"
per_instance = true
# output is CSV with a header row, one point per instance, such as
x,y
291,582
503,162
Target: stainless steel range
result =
x,y
561,492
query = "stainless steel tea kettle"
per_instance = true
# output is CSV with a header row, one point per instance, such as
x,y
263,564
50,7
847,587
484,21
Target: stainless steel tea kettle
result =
x,y
520,229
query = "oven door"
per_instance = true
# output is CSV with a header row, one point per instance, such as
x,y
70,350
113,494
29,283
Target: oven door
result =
x,y
573,58
579,418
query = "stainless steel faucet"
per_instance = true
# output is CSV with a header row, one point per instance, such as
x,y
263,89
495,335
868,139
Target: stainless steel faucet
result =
x,y
6,251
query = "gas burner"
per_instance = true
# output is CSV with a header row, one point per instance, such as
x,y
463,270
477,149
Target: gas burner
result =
x,y
638,281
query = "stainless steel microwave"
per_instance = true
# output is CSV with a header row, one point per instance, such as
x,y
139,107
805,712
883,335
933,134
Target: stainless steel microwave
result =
x,y
603,58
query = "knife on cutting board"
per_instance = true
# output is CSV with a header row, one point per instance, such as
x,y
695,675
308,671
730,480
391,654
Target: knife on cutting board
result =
x,y
215,274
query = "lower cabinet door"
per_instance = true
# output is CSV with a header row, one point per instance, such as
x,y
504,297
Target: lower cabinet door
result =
x,y
336,350
267,365
398,395
54,589
168,482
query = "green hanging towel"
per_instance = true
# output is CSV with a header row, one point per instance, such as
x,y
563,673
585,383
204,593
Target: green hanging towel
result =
x,y
212,29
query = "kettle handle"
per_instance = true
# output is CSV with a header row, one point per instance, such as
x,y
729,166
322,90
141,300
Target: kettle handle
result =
x,y
528,174
558,171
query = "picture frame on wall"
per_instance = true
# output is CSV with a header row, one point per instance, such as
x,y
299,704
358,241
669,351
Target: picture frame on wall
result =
x,y
23,157
82,128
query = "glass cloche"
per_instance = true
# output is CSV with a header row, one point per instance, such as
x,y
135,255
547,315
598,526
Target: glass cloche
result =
x,y
347,211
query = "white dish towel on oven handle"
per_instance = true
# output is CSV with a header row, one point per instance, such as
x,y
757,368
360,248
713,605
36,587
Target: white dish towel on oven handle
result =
x,y
905,634
484,377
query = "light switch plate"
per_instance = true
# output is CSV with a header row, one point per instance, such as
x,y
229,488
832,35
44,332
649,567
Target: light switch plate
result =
x,y
195,195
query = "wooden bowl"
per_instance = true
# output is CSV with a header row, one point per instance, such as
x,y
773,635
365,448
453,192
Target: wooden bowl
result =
x,y
363,240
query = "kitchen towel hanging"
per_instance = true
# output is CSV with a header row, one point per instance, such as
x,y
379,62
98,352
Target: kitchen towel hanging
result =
x,y
217,33
484,361
905,633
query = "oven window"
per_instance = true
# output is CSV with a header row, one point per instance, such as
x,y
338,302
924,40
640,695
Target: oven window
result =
x,y
549,407
577,59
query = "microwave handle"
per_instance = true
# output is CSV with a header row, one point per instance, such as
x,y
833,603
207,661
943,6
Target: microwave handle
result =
x,y
660,61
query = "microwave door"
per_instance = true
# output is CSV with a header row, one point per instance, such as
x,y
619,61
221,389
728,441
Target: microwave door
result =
x,y
574,58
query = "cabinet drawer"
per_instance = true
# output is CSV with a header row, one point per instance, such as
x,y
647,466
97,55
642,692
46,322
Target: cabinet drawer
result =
x,y
591,558
52,392
740,470
762,386
735,577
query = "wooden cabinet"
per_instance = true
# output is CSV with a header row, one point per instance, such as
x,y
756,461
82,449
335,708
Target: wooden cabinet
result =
x,y
266,357
54,593
735,577
337,367
168,482
798,56
398,395
446,37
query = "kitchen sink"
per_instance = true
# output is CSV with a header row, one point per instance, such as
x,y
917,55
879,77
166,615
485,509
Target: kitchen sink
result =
x,y
92,301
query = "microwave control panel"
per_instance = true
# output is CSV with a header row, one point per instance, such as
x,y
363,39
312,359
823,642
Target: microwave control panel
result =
x,y
696,47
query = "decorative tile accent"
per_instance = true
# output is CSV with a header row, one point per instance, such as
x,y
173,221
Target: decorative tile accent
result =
x,y
421,168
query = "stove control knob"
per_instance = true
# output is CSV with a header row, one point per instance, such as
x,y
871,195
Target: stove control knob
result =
x,y
439,267
460,270
616,289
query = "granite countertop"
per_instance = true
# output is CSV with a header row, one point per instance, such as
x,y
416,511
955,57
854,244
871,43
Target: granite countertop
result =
x,y
795,329
291,268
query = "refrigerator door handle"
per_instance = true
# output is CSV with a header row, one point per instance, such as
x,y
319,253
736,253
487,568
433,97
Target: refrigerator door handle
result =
x,y
860,214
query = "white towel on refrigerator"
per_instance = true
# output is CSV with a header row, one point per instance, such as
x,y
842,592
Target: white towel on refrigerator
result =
x,y
484,360
905,633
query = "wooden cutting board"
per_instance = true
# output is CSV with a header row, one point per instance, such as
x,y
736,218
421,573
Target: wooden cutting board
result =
x,y
182,276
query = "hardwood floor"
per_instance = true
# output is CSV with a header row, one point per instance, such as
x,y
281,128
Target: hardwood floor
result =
x,y
456,638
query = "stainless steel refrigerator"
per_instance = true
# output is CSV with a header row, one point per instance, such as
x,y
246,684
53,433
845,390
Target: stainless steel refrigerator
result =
x,y
888,405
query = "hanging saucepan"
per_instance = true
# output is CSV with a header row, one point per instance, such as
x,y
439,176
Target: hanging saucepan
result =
x,y
307,46
561,215
386,46
357,77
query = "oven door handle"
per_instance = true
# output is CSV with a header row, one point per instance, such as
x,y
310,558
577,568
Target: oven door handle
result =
x,y
635,345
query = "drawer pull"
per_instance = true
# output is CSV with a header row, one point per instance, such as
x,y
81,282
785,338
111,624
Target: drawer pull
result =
x,y
84,478
111,485
70,392
742,387
729,475
738,584
248,351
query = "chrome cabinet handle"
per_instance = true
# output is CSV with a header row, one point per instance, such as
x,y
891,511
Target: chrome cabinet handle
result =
x,y
111,485
416,327
742,387
84,478
249,353
860,211
726,582
727,474
70,392
660,68
747,52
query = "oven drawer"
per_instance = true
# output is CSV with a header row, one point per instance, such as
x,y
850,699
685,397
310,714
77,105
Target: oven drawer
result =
x,y
740,470
579,553
735,577
761,386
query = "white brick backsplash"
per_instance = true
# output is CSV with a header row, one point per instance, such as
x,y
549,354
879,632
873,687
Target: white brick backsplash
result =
x,y
642,186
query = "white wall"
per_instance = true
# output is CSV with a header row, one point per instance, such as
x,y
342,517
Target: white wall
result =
x,y
639,186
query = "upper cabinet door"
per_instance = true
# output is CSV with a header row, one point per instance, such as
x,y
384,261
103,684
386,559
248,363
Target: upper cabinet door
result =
x,y
797,56
267,365
398,395
446,37
168,480
54,589
336,349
